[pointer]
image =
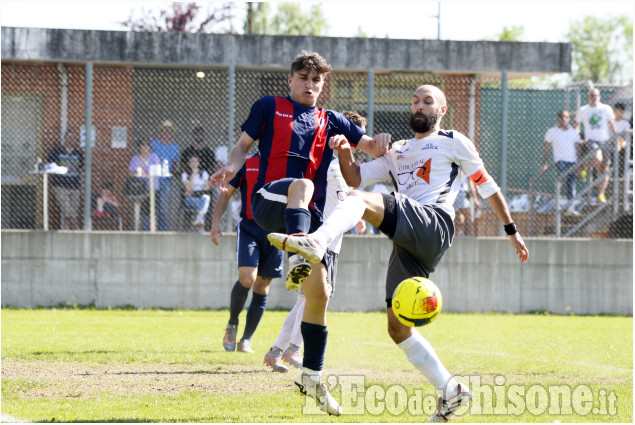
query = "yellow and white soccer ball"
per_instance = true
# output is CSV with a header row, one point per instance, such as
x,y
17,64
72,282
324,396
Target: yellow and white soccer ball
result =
x,y
416,301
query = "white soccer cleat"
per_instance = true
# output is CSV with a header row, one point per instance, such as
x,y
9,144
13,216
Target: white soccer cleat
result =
x,y
300,243
318,392
299,270
244,346
447,408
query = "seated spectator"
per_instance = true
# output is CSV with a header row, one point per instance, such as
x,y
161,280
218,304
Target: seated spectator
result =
x,y
195,180
107,204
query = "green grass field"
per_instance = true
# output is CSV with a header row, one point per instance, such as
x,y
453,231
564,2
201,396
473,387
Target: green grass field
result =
x,y
88,365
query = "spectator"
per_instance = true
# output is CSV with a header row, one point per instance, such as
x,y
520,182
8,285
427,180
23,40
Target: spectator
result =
x,y
107,205
140,168
599,125
168,151
196,194
66,187
621,128
199,149
566,144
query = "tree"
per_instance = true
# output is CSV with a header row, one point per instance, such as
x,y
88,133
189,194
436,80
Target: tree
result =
x,y
601,49
288,20
184,17
511,34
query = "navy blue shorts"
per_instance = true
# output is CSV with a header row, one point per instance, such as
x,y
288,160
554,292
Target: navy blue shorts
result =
x,y
254,250
269,204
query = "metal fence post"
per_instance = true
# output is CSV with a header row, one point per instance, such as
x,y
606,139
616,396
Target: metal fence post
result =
x,y
88,123
370,107
231,99
503,147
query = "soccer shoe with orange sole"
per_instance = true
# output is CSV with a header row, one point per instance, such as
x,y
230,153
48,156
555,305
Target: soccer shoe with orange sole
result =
x,y
299,243
273,358
229,339
292,356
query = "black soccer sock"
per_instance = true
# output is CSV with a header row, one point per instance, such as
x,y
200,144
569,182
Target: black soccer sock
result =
x,y
297,220
314,345
237,302
254,314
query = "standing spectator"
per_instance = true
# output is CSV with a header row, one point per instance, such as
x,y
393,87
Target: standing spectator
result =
x,y
66,187
140,168
199,149
621,127
168,151
565,142
599,125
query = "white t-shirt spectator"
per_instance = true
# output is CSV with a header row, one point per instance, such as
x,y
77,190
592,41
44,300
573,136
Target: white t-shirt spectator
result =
x,y
595,121
563,143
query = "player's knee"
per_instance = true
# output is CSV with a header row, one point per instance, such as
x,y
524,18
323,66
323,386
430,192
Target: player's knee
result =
x,y
302,186
246,282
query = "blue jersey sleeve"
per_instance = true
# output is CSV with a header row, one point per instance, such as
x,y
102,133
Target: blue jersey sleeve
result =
x,y
258,115
339,124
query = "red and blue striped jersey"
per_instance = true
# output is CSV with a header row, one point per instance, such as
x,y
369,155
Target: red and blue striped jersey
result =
x,y
293,141
245,180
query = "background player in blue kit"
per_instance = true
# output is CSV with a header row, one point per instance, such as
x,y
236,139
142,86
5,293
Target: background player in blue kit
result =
x,y
290,194
258,261
417,217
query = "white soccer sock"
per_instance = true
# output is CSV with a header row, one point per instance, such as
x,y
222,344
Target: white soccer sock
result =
x,y
296,335
422,356
343,218
289,324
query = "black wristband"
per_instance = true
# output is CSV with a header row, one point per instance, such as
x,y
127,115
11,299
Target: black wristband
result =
x,y
510,229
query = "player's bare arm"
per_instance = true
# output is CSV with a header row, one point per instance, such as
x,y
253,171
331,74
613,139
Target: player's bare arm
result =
x,y
220,208
497,201
348,166
375,146
236,160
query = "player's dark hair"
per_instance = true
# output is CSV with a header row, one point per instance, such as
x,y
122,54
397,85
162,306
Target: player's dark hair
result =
x,y
310,61
356,118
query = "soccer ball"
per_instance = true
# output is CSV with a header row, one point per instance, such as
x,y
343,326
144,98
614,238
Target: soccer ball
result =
x,y
416,301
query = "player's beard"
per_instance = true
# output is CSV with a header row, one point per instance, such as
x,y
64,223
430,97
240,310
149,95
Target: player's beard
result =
x,y
424,125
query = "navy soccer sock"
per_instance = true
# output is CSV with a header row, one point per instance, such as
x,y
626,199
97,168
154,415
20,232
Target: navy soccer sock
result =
x,y
254,314
314,345
297,220
237,302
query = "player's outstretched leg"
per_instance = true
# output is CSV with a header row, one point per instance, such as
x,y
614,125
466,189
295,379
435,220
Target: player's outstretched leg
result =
x,y
447,408
312,386
273,358
299,243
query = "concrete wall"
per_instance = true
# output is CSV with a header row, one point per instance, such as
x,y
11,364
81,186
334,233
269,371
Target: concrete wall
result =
x,y
170,270
277,51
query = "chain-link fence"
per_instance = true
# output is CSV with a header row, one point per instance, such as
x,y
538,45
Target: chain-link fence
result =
x,y
142,117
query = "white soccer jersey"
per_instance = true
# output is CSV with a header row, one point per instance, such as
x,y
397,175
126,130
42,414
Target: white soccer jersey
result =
x,y
427,170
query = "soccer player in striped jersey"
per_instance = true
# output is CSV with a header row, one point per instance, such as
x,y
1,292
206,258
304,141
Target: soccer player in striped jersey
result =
x,y
417,217
290,194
